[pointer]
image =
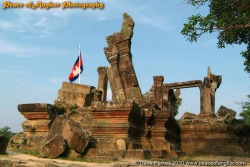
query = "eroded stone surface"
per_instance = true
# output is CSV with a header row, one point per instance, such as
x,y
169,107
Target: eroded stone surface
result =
x,y
122,74
54,146
225,113
77,136
188,115
121,144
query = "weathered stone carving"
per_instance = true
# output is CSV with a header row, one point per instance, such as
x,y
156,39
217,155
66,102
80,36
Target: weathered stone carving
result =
x,y
127,26
120,58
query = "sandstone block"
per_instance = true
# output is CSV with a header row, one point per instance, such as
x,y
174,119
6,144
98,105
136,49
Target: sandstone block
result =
x,y
39,111
121,144
188,115
54,147
85,89
138,154
39,125
76,135
227,114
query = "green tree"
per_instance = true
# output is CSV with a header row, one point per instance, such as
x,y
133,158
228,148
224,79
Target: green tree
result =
x,y
177,105
5,131
230,18
246,111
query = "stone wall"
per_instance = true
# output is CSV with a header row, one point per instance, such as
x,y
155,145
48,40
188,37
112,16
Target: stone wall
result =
x,y
214,136
74,94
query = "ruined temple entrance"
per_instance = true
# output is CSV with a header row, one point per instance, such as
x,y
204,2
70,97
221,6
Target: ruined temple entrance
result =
x,y
190,101
207,91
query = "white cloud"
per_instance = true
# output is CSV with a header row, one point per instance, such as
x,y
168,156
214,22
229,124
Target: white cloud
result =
x,y
43,22
140,12
13,49
5,25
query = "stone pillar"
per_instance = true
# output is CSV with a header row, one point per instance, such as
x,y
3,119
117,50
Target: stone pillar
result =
x,y
158,89
207,90
165,99
102,81
127,72
119,56
112,56
205,102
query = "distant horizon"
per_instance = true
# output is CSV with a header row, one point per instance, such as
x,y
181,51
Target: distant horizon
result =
x,y
39,47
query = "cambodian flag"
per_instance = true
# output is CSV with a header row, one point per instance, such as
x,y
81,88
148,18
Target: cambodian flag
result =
x,y
77,69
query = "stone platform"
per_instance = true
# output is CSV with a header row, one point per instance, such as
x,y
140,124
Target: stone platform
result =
x,y
214,136
40,117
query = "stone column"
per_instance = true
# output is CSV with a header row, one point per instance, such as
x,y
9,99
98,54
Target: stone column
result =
x,y
111,53
102,81
127,72
208,89
119,56
126,69
205,102
158,89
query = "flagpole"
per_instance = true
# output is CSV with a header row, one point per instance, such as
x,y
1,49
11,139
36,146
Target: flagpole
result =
x,y
79,64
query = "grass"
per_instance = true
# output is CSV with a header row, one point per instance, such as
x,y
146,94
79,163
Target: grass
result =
x,y
29,152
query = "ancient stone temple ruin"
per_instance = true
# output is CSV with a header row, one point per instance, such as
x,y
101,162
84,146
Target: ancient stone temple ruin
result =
x,y
82,123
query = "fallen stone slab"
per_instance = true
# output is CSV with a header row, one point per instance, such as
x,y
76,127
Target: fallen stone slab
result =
x,y
76,135
225,113
54,147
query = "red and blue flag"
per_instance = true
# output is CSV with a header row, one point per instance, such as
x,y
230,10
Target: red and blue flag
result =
x,y
77,69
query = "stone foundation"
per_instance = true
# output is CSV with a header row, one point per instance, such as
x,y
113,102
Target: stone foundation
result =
x,y
40,117
213,137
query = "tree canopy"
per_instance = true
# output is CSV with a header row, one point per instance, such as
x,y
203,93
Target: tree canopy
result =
x,y
5,131
246,111
230,18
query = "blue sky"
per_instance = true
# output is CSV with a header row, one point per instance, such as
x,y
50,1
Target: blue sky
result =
x,y
39,47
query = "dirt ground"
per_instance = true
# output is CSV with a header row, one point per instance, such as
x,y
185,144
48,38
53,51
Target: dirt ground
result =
x,y
17,159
